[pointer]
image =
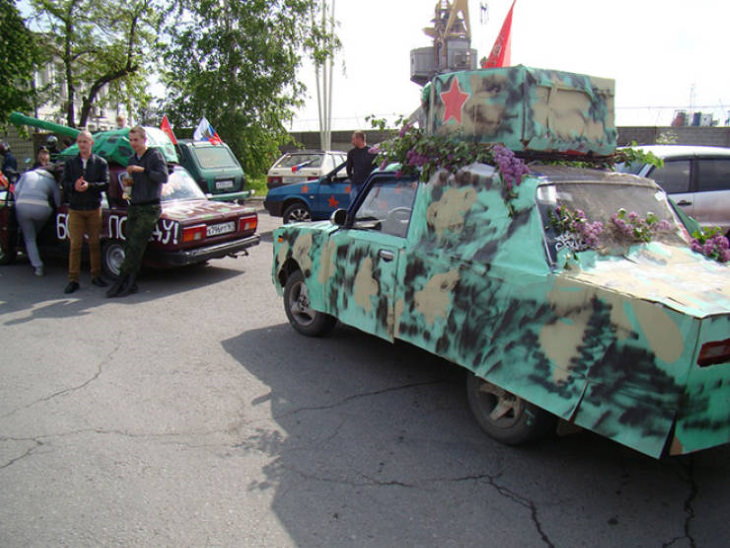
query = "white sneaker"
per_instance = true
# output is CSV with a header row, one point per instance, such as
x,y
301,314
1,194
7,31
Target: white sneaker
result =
x,y
38,271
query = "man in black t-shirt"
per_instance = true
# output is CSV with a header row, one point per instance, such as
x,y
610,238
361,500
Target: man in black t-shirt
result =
x,y
359,163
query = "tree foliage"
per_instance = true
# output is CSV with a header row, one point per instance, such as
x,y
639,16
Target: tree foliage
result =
x,y
235,62
19,53
101,48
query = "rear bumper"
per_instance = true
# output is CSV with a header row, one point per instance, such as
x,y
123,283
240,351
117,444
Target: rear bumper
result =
x,y
185,257
230,196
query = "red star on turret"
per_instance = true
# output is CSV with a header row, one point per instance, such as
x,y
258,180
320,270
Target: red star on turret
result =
x,y
453,100
332,202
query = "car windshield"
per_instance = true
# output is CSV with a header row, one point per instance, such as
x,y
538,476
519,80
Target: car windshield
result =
x,y
181,186
600,201
303,160
633,168
214,156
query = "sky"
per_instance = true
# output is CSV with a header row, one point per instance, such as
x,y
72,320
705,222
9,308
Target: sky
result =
x,y
663,54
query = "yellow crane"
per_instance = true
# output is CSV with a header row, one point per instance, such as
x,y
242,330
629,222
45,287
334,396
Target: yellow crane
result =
x,y
451,49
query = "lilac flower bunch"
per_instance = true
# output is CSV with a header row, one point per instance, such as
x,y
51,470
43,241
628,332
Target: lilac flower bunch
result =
x,y
632,226
510,166
573,221
419,153
711,243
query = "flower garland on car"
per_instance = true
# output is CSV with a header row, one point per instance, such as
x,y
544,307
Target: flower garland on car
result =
x,y
711,243
576,231
633,227
423,155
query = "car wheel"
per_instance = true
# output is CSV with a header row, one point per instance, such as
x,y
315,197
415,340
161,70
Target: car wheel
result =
x,y
7,254
297,212
504,416
112,257
301,316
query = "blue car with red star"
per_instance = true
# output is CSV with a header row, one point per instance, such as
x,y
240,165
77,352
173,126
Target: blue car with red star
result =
x,y
310,200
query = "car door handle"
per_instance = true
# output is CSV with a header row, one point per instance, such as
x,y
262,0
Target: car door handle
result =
x,y
386,255
684,203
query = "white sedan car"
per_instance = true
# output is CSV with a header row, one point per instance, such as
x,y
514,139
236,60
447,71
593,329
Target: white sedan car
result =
x,y
696,177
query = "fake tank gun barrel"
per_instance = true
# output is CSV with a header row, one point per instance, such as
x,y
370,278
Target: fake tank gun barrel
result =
x,y
21,119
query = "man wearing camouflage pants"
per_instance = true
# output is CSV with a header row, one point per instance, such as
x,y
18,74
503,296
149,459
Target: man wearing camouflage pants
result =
x,y
148,170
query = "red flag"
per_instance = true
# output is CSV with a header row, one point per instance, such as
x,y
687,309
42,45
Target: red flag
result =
x,y
165,126
500,55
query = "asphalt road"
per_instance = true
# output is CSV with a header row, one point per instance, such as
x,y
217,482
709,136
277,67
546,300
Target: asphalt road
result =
x,y
191,414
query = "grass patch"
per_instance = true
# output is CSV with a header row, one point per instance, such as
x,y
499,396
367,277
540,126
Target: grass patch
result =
x,y
258,184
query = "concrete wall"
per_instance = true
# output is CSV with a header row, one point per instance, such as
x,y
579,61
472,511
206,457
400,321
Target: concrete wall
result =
x,y
340,139
712,136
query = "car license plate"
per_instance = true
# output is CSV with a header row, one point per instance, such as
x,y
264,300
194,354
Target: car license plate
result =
x,y
222,228
224,184
291,179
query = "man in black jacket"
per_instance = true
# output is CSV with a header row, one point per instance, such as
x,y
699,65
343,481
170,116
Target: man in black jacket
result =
x,y
359,163
85,177
148,169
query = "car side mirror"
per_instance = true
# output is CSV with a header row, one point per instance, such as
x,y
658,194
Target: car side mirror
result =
x,y
338,217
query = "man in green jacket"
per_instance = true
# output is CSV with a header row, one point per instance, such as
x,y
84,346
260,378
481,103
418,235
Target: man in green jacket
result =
x,y
148,170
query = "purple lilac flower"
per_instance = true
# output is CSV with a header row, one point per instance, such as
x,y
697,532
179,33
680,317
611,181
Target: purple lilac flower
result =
x,y
405,129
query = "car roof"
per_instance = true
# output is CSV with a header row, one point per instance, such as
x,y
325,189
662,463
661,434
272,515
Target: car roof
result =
x,y
669,151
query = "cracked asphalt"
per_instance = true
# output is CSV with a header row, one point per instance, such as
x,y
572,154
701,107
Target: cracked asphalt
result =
x,y
191,414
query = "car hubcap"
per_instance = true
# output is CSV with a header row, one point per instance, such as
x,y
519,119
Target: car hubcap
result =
x,y
504,409
299,215
115,258
299,305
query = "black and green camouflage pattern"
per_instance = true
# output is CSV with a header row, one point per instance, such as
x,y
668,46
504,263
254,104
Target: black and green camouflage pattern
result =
x,y
525,109
607,340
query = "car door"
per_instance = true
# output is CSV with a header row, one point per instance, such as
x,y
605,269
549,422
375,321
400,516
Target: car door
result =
x,y
362,288
675,177
333,193
712,199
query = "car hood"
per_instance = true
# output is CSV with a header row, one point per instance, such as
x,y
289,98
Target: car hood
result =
x,y
193,211
673,276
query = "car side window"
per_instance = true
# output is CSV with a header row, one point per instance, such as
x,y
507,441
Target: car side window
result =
x,y
713,174
673,177
387,207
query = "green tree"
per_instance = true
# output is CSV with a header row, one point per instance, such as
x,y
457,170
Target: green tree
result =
x,y
101,48
235,62
19,53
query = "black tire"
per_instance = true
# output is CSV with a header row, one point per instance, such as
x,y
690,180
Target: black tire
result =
x,y
506,417
296,304
112,257
8,253
297,212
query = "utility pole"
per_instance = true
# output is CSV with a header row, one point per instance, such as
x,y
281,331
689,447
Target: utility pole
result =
x,y
323,73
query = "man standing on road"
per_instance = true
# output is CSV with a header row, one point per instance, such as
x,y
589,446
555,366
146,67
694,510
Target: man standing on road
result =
x,y
85,177
148,170
359,163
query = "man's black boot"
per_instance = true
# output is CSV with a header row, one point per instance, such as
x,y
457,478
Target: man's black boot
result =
x,y
115,289
130,286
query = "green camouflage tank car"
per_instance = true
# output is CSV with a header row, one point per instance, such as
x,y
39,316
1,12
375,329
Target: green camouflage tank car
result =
x,y
611,323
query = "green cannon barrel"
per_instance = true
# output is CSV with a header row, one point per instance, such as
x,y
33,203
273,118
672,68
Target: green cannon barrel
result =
x,y
112,145
22,120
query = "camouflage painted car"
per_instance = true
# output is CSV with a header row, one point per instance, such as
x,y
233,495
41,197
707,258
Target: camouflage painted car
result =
x,y
192,229
628,340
